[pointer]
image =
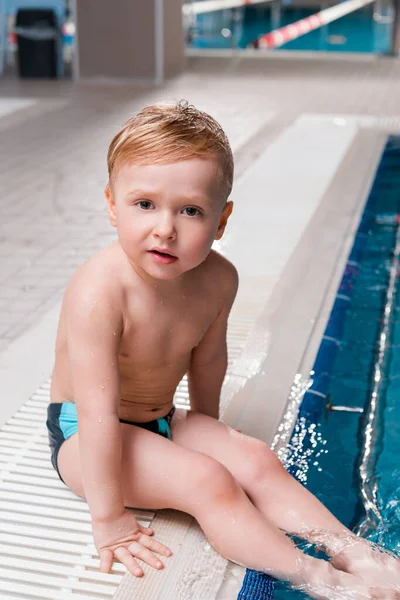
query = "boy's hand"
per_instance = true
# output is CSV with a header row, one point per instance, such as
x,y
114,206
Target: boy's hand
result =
x,y
124,539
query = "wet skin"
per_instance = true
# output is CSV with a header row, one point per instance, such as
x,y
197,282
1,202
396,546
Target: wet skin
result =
x,y
160,284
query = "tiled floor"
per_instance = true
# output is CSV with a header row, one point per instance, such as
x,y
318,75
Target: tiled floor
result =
x,y
52,162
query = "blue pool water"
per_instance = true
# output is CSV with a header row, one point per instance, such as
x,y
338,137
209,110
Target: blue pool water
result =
x,y
356,32
326,445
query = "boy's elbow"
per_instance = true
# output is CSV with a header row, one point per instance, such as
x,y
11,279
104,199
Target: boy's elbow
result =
x,y
97,423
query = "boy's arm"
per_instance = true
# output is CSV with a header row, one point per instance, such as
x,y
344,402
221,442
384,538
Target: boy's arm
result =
x,y
94,326
209,359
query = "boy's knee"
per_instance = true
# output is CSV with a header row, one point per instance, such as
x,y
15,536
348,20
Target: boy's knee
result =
x,y
261,463
212,482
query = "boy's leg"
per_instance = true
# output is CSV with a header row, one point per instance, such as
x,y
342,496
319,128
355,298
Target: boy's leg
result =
x,y
161,474
283,500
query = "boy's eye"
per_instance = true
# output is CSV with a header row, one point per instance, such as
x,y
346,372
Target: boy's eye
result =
x,y
191,211
145,204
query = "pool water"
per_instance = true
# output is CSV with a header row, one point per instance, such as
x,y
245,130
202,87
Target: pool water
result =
x,y
324,452
365,30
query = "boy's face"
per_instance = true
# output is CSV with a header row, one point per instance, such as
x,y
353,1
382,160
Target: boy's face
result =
x,y
168,215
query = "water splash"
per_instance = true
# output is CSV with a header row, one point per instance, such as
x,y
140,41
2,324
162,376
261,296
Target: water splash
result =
x,y
284,431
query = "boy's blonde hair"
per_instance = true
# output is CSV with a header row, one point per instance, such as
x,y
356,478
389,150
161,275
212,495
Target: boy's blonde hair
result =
x,y
163,133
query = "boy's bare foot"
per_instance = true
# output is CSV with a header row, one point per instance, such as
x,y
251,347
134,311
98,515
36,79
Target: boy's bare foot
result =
x,y
321,581
375,566
371,563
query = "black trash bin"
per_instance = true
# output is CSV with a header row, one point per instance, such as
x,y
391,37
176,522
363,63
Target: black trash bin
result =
x,y
38,43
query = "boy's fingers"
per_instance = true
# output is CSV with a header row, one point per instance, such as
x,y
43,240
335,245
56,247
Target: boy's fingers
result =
x,y
155,546
140,551
106,561
143,550
126,558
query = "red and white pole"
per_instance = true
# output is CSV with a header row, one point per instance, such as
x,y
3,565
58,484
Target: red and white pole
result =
x,y
281,36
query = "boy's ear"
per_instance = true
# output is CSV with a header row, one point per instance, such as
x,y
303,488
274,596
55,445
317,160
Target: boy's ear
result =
x,y
226,213
110,205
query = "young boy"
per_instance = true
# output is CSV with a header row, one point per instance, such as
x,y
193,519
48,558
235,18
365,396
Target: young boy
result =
x,y
135,318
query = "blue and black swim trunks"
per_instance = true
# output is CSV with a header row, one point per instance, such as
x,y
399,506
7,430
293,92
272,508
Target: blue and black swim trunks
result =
x,y
62,423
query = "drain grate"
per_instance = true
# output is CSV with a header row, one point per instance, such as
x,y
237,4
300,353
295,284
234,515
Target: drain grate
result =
x,y
46,545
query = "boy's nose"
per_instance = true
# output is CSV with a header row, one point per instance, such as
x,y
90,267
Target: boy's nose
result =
x,y
165,228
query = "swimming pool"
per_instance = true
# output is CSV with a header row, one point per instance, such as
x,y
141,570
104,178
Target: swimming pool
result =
x,y
365,30
326,448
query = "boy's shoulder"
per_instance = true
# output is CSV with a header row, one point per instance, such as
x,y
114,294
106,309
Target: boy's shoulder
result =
x,y
98,277
217,261
221,268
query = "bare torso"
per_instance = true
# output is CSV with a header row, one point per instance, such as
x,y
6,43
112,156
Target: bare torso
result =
x,y
159,333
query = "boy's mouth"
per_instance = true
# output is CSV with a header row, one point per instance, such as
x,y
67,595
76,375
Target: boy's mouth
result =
x,y
162,257
162,253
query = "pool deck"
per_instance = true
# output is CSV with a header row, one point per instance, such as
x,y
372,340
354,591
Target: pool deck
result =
x,y
307,133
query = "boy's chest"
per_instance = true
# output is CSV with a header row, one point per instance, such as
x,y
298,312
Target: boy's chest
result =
x,y
166,331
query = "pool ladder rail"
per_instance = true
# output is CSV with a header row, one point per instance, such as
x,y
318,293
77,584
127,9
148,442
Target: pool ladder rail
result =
x,y
336,407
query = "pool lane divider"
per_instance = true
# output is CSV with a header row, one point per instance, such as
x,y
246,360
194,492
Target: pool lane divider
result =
x,y
283,35
257,585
